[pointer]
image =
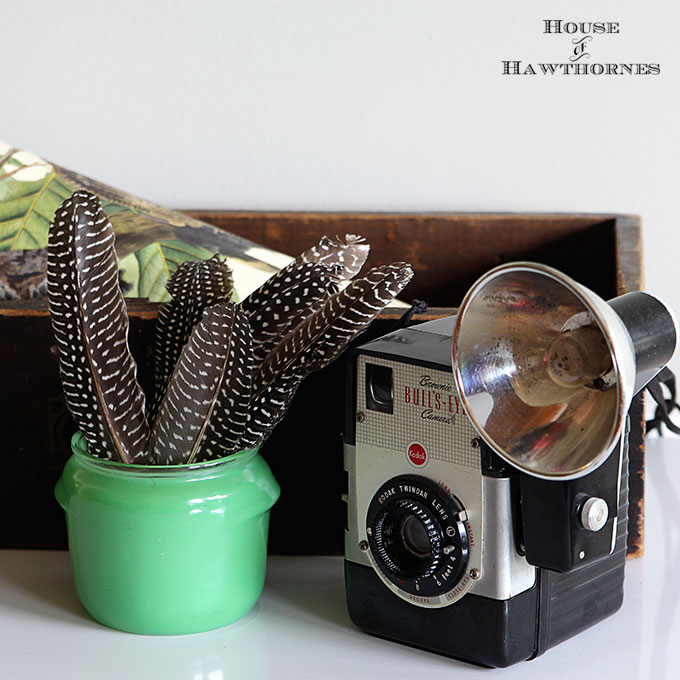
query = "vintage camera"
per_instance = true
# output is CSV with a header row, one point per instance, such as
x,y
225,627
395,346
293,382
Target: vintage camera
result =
x,y
488,496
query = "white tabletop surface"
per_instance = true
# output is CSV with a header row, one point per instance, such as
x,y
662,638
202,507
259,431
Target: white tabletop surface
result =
x,y
300,628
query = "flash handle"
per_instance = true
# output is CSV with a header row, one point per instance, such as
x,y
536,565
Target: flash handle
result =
x,y
653,330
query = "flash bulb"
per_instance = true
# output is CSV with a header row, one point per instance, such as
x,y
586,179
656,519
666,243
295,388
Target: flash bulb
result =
x,y
576,358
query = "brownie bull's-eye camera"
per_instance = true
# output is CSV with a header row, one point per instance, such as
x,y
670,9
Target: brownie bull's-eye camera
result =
x,y
488,496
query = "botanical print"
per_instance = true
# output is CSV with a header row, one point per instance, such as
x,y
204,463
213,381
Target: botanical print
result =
x,y
151,241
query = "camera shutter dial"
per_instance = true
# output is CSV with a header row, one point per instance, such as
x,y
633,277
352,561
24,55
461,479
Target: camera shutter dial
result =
x,y
417,536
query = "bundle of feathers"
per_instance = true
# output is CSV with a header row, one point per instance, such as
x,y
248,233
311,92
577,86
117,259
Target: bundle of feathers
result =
x,y
224,373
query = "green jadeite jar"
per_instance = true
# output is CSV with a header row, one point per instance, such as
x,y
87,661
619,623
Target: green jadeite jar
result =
x,y
167,550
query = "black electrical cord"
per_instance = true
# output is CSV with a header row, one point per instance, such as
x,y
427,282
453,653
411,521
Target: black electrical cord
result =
x,y
665,379
417,307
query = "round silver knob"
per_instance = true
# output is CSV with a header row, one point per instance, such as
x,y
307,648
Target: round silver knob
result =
x,y
594,514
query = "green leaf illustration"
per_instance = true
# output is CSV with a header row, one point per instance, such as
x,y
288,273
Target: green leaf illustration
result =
x,y
149,269
27,207
151,241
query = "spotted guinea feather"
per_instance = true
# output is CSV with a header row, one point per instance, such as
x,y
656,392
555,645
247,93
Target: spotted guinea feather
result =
x,y
350,311
316,342
294,296
209,389
266,412
347,257
384,284
90,324
195,286
350,254
230,415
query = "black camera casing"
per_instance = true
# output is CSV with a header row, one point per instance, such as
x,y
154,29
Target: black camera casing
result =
x,y
534,575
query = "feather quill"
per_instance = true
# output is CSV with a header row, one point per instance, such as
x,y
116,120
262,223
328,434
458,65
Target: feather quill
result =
x,y
195,286
316,342
90,324
204,410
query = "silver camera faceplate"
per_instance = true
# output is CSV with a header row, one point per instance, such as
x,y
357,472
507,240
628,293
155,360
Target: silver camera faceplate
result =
x,y
428,434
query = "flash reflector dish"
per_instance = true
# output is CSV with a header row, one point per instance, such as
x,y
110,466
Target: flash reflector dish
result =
x,y
545,369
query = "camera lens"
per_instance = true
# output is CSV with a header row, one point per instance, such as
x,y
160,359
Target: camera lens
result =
x,y
417,538
409,540
379,392
414,537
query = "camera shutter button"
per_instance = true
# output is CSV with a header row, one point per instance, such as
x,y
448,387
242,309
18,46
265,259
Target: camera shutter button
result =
x,y
594,513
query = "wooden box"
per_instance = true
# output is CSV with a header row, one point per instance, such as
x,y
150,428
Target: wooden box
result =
x,y
447,251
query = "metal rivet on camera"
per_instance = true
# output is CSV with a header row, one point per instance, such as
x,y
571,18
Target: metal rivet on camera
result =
x,y
594,513
361,417
448,549
476,442
474,574
581,555
363,545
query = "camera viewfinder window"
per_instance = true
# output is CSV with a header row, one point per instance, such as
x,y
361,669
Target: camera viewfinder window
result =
x,y
379,392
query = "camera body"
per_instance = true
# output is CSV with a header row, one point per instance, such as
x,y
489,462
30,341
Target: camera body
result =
x,y
448,547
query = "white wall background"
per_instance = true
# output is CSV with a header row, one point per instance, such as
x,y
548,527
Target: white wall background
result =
x,y
352,105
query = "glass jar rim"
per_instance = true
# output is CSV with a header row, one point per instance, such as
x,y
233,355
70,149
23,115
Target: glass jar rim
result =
x,y
79,448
